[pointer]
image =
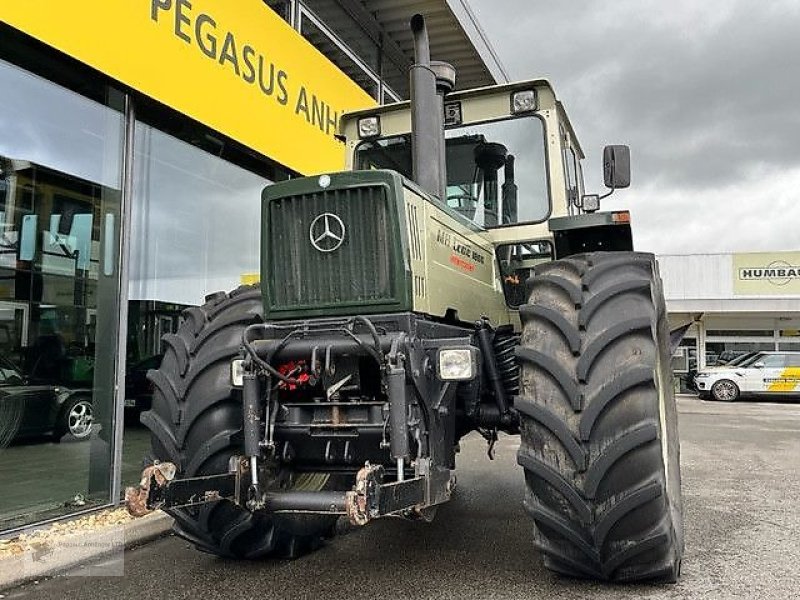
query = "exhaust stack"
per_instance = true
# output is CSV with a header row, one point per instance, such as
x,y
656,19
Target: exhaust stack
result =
x,y
429,84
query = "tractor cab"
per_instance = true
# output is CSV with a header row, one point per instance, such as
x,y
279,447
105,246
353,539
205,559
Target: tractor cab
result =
x,y
512,166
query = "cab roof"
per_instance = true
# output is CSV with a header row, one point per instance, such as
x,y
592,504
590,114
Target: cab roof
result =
x,y
465,95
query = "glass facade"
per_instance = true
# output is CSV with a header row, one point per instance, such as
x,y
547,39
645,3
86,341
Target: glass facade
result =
x,y
73,154
181,246
116,214
61,166
195,230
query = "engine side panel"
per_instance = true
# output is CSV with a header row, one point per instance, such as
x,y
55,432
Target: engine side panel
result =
x,y
454,271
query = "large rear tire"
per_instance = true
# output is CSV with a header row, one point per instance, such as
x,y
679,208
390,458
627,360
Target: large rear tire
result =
x,y
196,423
599,441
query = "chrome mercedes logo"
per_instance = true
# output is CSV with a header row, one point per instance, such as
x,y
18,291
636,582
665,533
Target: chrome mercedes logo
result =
x,y
326,232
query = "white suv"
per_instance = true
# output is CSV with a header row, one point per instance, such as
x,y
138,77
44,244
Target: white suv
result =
x,y
765,374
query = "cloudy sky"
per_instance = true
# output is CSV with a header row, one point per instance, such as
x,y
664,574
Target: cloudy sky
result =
x,y
705,92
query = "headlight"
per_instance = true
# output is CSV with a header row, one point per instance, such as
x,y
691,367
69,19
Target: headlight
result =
x,y
457,364
523,101
369,127
237,373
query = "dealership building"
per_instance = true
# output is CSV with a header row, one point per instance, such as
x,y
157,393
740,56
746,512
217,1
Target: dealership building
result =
x,y
734,302
135,139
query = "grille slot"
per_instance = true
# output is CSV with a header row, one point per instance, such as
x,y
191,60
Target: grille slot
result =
x,y
358,272
413,230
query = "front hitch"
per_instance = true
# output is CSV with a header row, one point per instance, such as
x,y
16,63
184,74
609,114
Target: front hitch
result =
x,y
159,489
369,498
155,477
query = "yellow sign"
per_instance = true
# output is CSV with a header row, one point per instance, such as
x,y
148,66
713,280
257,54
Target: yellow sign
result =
x,y
234,66
766,274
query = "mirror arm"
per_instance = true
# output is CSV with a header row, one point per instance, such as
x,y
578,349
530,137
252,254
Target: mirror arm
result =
x,y
607,194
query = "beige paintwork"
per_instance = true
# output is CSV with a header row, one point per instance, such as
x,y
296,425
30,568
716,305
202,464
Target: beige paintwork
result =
x,y
453,261
452,264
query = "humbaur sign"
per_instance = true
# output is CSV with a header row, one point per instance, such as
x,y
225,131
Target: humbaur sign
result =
x,y
777,272
763,273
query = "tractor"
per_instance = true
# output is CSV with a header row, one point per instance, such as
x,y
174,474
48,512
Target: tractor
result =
x,y
455,279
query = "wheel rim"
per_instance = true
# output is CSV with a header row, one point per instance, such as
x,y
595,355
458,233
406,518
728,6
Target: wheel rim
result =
x,y
724,390
80,418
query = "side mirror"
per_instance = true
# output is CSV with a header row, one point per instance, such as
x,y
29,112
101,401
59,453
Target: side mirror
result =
x,y
617,166
758,365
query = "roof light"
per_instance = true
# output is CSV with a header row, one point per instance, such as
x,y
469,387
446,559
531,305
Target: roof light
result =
x,y
369,127
523,101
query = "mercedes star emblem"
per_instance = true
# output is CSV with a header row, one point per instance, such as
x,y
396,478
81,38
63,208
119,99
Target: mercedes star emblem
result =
x,y
326,232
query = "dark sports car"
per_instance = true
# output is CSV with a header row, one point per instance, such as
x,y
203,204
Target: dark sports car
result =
x,y
30,409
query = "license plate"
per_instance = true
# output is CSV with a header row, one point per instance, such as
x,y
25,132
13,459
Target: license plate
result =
x,y
130,402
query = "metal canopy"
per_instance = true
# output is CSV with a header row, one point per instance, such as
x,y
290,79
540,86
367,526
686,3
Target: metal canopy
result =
x,y
455,37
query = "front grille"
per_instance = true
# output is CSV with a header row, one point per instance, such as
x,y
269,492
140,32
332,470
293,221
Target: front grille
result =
x,y
358,272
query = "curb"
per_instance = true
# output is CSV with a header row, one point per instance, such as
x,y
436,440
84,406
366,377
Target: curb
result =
x,y
79,550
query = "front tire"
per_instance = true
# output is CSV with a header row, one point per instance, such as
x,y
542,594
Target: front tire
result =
x,y
599,443
725,390
196,423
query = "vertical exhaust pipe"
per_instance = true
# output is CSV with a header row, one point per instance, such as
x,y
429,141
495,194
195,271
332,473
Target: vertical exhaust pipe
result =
x,y
429,84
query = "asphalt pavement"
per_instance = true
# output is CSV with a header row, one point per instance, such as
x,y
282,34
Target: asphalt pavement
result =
x,y
741,485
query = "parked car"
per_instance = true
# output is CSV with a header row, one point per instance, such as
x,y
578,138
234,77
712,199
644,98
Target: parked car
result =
x,y
711,361
772,374
36,409
138,390
705,394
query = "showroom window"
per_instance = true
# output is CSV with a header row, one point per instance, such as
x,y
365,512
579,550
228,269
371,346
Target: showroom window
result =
x,y
196,220
789,340
195,230
61,163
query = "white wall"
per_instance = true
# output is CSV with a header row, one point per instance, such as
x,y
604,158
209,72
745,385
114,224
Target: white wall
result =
x,y
697,283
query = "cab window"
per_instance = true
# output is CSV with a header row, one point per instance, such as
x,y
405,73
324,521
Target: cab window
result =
x,y
496,171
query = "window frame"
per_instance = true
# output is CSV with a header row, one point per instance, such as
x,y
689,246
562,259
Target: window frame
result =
x,y
305,13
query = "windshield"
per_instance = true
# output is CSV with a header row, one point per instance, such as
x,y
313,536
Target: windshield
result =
x,y
749,361
495,171
740,360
